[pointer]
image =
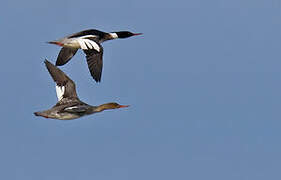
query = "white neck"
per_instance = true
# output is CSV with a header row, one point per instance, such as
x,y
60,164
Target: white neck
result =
x,y
113,35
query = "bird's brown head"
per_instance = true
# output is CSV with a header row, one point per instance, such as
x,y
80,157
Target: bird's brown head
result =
x,y
126,34
112,105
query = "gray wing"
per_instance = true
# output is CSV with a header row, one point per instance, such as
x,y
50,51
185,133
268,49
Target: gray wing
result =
x,y
94,60
68,89
65,55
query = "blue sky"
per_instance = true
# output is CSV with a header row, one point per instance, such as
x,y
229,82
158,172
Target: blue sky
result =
x,y
203,82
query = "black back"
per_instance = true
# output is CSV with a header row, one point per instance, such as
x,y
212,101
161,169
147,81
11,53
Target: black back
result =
x,y
88,32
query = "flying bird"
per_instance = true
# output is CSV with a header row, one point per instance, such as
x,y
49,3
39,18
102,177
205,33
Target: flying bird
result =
x,y
69,105
90,42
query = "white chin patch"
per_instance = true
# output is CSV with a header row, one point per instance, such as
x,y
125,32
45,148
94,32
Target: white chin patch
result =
x,y
113,35
60,92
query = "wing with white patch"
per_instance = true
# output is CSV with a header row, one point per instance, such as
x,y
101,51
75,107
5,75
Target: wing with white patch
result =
x,y
65,86
88,44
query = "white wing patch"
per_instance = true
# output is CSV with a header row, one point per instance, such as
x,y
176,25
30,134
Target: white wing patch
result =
x,y
76,109
87,36
60,92
73,107
113,35
87,43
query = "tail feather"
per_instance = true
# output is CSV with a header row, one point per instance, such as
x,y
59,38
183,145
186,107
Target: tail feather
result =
x,y
37,113
41,114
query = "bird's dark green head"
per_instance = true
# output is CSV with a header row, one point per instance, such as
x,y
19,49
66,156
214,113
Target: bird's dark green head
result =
x,y
126,34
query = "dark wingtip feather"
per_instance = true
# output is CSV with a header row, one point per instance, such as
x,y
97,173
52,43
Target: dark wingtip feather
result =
x,y
48,64
96,77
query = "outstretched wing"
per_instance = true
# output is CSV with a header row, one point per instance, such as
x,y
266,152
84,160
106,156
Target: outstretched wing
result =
x,y
65,86
65,55
94,60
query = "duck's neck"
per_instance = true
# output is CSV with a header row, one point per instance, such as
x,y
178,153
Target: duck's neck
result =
x,y
101,108
110,36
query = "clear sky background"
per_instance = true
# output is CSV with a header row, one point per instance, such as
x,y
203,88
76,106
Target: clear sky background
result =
x,y
203,82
